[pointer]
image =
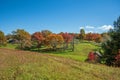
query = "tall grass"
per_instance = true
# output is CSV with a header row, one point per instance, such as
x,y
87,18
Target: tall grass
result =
x,y
25,65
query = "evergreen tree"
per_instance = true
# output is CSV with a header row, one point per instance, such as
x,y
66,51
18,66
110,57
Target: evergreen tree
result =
x,y
111,46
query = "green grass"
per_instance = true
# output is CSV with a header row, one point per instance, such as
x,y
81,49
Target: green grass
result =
x,y
25,65
80,53
10,46
59,65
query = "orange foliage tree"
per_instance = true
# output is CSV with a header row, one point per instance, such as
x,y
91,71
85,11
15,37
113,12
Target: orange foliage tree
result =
x,y
93,37
54,40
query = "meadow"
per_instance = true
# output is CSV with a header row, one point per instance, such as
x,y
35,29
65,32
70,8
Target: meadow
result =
x,y
67,65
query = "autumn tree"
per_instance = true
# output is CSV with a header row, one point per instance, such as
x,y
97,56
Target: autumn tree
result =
x,y
97,37
23,37
2,38
67,39
82,34
88,36
54,40
93,37
38,38
45,33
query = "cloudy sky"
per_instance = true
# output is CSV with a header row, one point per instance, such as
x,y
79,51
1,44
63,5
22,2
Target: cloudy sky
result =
x,y
58,15
97,29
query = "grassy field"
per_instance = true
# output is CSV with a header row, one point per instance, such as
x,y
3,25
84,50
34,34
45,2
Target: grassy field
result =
x,y
81,51
10,46
26,65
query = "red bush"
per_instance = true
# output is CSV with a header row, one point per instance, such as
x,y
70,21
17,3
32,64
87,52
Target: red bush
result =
x,y
91,56
117,62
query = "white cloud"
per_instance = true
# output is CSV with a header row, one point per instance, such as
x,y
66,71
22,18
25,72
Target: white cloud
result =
x,y
81,27
90,27
106,27
87,27
96,29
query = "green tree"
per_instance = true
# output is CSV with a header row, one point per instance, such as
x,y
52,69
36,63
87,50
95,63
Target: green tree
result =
x,y
23,37
117,25
111,46
82,34
2,38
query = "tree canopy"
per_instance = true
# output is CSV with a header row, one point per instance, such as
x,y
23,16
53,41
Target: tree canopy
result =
x,y
23,37
54,40
38,37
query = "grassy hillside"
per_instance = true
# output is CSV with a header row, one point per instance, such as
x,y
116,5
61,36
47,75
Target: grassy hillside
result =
x,y
25,65
80,53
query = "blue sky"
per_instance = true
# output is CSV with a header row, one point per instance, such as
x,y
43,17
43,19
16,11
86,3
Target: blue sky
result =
x,y
58,15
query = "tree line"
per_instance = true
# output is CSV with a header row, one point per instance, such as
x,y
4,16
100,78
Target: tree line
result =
x,y
37,39
48,38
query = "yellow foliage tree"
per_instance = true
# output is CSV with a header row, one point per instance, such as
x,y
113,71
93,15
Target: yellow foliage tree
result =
x,y
23,37
54,40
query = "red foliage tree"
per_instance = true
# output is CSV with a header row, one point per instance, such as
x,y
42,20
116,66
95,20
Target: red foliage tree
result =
x,y
93,37
67,37
37,37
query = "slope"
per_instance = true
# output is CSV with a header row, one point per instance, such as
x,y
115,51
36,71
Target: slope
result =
x,y
25,65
